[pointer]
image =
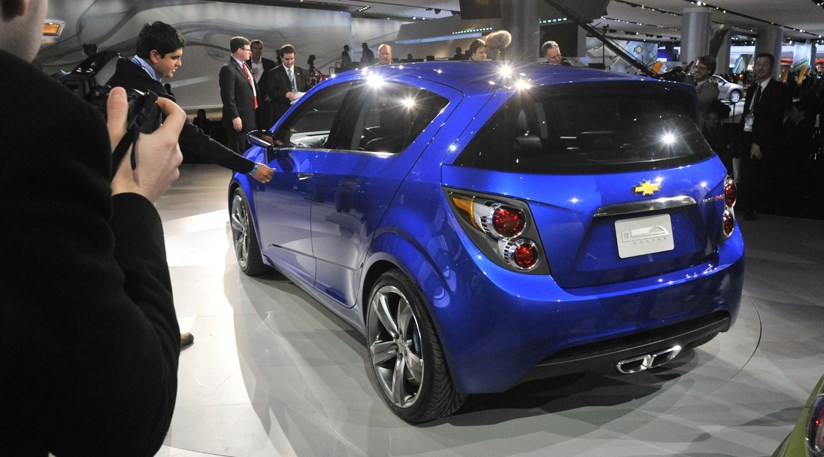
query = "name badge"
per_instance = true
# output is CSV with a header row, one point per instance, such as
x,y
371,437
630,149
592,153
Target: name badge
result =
x,y
748,120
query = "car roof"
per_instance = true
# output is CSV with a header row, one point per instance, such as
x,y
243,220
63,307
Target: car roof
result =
x,y
486,77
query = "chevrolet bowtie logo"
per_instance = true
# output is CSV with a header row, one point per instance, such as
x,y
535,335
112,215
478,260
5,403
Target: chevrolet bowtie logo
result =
x,y
646,188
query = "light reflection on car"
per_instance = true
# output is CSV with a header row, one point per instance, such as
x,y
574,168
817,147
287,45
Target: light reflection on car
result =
x,y
482,227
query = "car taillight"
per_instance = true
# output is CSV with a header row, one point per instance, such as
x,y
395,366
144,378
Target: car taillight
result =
x,y
521,253
501,228
729,222
728,216
815,428
730,192
505,222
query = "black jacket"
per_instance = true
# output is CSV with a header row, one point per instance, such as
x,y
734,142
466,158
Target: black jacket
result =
x,y
89,340
275,83
769,117
132,76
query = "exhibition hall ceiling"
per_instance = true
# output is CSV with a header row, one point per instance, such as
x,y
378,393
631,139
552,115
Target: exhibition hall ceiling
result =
x,y
655,20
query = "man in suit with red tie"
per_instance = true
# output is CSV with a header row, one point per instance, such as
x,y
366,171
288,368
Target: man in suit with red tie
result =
x,y
761,154
238,93
282,85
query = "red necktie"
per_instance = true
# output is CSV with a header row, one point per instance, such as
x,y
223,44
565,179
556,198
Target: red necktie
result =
x,y
251,82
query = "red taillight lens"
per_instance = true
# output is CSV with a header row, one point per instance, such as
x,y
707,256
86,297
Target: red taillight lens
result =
x,y
503,229
521,253
815,428
729,222
508,222
730,192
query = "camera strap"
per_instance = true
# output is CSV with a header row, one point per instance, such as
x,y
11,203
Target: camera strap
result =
x,y
129,139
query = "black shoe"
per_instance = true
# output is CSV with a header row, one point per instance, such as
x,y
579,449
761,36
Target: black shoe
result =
x,y
186,339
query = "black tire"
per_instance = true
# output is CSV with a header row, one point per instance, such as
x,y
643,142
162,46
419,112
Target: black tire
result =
x,y
735,96
247,251
404,351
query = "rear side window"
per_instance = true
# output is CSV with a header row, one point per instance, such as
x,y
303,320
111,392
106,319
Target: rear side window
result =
x,y
581,129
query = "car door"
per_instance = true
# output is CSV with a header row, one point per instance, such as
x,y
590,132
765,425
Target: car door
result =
x,y
389,126
284,204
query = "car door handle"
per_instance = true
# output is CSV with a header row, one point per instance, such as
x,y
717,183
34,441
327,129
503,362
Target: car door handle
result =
x,y
302,176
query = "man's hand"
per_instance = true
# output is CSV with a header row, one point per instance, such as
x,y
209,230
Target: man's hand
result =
x,y
159,155
263,173
755,152
237,124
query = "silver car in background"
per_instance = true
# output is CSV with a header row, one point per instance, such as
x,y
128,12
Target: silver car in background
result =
x,y
728,91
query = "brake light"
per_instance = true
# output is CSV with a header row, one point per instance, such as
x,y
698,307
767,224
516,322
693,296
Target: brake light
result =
x,y
521,253
507,222
501,228
815,428
730,192
729,222
728,216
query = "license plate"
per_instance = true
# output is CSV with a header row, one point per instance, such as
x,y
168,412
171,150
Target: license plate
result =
x,y
644,235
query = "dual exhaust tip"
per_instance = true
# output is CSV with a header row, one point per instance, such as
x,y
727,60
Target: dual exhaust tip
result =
x,y
647,361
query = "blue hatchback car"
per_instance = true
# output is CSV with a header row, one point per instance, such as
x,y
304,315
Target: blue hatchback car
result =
x,y
483,225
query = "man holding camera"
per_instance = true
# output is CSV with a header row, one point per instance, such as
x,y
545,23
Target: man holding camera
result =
x,y
159,53
88,334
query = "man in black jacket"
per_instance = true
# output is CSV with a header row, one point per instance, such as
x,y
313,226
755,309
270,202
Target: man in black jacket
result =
x,y
258,64
238,92
284,84
159,53
88,334
762,154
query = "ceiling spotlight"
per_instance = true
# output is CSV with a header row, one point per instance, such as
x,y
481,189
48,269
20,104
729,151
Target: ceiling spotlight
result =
x,y
437,11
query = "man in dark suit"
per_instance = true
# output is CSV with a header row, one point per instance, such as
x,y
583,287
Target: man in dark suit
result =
x,y
159,53
89,340
767,100
238,92
284,84
258,65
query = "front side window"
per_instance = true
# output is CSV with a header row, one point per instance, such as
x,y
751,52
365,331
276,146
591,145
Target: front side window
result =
x,y
311,125
393,115
360,116
588,129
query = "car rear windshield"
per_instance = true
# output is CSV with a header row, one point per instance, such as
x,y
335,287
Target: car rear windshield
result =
x,y
587,128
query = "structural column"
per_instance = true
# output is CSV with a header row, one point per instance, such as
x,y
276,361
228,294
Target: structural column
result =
x,y
520,18
770,38
695,33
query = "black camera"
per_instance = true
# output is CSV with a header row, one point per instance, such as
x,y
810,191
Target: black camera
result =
x,y
89,82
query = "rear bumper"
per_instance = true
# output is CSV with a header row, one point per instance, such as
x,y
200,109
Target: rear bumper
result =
x,y
604,356
499,327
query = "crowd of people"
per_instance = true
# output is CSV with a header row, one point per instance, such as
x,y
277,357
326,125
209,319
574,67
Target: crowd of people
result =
x,y
773,149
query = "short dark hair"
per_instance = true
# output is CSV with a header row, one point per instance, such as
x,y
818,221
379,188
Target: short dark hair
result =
x,y
238,42
160,37
89,49
547,45
709,62
477,43
287,49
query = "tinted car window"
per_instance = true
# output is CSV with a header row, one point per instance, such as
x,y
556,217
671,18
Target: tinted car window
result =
x,y
362,116
393,115
587,130
310,126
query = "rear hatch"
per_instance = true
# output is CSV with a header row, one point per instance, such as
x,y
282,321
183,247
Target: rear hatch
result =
x,y
619,182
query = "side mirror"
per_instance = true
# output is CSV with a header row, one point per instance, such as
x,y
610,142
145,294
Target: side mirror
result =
x,y
261,138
